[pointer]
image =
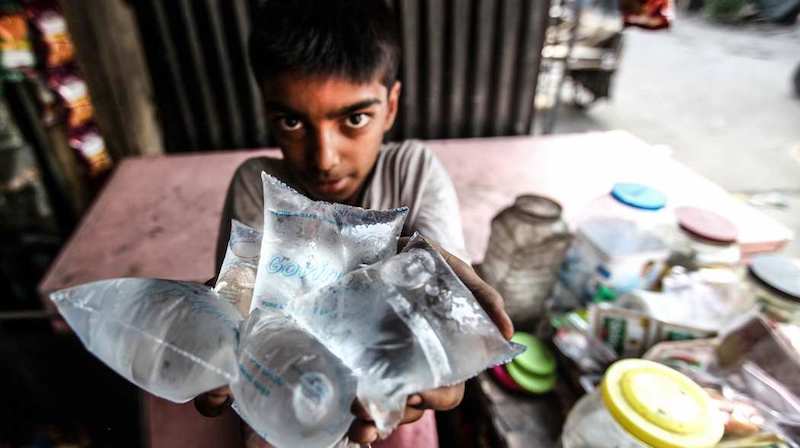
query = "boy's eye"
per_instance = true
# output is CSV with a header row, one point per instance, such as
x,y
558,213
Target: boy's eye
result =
x,y
289,123
358,120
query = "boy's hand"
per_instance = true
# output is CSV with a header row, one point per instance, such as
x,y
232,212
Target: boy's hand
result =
x,y
212,403
488,297
363,430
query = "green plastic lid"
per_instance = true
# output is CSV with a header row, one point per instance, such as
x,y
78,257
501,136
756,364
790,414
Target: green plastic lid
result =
x,y
537,359
537,384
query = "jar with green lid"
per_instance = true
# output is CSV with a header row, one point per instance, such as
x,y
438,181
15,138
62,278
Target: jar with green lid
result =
x,y
644,404
774,280
527,245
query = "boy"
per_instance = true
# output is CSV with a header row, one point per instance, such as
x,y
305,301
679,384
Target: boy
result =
x,y
327,75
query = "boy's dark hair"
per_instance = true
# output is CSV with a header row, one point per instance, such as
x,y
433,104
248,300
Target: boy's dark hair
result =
x,y
354,39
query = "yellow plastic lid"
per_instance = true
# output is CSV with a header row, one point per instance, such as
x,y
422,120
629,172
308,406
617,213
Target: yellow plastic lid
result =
x,y
660,406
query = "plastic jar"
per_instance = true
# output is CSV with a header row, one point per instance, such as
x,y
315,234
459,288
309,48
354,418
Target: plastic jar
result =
x,y
706,238
775,282
620,242
641,204
526,247
644,404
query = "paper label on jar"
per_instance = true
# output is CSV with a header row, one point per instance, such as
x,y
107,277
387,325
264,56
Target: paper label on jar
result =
x,y
630,333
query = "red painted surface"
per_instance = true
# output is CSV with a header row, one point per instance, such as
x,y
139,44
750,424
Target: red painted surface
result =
x,y
158,217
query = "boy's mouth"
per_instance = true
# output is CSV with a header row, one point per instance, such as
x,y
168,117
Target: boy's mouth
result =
x,y
331,186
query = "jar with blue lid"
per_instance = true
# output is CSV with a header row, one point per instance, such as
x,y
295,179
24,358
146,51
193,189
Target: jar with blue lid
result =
x,y
622,241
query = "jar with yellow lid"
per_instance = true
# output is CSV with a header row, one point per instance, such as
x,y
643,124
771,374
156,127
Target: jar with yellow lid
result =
x,y
644,404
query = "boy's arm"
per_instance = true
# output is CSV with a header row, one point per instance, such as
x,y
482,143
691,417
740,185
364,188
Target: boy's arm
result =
x,y
438,218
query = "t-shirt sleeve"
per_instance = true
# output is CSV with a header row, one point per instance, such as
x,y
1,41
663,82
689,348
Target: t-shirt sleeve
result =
x,y
438,217
244,202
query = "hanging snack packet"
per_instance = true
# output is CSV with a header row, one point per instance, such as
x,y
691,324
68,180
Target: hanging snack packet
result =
x,y
403,325
15,47
91,147
308,244
172,339
291,389
237,276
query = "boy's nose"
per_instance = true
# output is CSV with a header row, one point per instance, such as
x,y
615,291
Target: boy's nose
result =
x,y
324,151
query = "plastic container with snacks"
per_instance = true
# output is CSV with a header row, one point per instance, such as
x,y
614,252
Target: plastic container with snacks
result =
x,y
620,242
706,238
644,404
775,282
638,203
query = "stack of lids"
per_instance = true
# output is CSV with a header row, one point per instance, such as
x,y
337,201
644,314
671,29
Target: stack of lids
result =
x,y
533,371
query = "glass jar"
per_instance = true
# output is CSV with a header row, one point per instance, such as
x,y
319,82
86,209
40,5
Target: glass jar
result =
x,y
705,240
526,247
643,404
775,282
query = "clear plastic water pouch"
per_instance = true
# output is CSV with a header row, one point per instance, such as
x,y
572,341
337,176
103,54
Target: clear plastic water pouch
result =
x,y
291,389
237,276
172,339
403,325
308,244
177,340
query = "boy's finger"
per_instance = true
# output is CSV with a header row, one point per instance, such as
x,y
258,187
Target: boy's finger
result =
x,y
411,415
443,398
213,403
362,432
488,297
360,411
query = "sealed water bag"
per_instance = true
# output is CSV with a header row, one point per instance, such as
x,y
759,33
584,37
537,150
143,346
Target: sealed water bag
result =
x,y
403,325
172,339
308,244
291,389
237,276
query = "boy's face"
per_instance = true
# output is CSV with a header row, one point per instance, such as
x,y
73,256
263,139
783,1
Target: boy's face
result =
x,y
330,130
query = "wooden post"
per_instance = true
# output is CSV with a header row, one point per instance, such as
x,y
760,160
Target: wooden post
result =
x,y
109,52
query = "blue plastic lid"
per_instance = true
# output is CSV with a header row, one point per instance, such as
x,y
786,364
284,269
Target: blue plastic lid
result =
x,y
639,196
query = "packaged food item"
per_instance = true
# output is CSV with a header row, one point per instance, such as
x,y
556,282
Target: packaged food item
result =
x,y
91,148
308,244
15,47
630,333
643,403
56,48
403,325
74,93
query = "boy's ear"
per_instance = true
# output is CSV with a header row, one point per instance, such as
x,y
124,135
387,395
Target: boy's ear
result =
x,y
392,105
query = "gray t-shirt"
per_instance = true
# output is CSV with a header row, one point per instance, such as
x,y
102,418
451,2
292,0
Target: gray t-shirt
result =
x,y
406,174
